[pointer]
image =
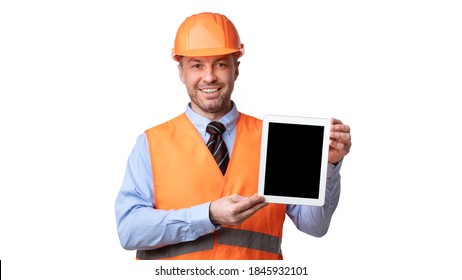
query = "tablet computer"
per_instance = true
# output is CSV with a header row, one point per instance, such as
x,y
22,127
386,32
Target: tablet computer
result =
x,y
293,159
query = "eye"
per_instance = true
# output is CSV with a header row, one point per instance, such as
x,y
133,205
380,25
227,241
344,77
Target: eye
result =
x,y
221,65
196,66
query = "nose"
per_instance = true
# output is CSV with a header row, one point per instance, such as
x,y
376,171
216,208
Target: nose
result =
x,y
209,74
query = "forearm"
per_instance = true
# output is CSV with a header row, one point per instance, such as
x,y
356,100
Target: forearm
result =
x,y
315,220
145,228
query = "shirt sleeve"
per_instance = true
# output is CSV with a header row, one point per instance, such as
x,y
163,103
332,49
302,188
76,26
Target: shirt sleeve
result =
x,y
315,220
139,224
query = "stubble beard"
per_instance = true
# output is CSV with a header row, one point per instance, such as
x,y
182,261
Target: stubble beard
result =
x,y
212,106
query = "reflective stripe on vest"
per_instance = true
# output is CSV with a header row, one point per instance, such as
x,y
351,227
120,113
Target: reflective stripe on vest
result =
x,y
226,236
249,239
203,243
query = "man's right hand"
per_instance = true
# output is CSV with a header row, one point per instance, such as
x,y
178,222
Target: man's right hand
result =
x,y
233,210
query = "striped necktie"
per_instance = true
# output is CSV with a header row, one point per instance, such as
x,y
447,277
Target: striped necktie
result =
x,y
216,145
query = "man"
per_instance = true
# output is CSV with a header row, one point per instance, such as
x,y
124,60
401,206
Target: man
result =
x,y
179,202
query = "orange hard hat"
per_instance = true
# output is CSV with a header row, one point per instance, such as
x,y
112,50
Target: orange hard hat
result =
x,y
207,34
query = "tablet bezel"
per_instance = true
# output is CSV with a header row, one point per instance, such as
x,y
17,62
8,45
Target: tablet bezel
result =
x,y
324,122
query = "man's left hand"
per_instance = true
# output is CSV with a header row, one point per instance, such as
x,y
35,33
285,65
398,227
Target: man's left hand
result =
x,y
340,140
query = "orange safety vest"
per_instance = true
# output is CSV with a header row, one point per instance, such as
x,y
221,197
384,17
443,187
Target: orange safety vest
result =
x,y
185,174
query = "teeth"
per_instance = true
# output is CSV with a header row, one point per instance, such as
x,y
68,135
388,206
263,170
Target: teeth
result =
x,y
210,90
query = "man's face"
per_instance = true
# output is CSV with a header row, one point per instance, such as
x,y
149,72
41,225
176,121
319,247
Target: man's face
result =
x,y
209,81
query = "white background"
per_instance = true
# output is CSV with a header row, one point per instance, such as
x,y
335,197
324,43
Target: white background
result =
x,y
80,80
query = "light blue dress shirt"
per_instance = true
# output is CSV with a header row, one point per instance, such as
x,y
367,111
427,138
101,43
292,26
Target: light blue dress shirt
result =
x,y
142,227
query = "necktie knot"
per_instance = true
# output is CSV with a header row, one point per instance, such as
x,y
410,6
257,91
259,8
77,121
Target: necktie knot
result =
x,y
215,128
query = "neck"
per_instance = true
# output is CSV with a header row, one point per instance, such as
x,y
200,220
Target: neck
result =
x,y
213,116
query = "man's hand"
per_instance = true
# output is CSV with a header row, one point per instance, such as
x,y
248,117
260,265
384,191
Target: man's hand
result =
x,y
233,210
340,141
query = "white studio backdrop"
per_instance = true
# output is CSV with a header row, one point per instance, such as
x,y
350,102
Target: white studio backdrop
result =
x,y
80,80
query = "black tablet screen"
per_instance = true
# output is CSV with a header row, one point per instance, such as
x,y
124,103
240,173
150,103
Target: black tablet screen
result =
x,y
293,160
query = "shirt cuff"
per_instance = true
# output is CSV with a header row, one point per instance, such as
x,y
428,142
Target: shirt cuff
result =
x,y
333,174
200,219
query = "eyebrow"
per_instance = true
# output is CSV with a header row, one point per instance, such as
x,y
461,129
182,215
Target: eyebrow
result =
x,y
196,60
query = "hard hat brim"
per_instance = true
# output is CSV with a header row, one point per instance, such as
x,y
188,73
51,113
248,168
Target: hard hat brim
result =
x,y
207,52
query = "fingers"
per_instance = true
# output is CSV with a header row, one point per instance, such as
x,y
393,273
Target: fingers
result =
x,y
343,148
235,209
339,131
337,126
249,202
247,206
335,121
343,137
340,140
244,215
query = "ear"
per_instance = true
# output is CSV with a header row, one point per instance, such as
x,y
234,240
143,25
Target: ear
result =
x,y
181,73
236,70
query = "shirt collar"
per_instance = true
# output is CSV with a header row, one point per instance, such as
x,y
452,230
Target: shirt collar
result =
x,y
201,122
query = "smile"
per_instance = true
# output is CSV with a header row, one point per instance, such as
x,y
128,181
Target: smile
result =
x,y
209,90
